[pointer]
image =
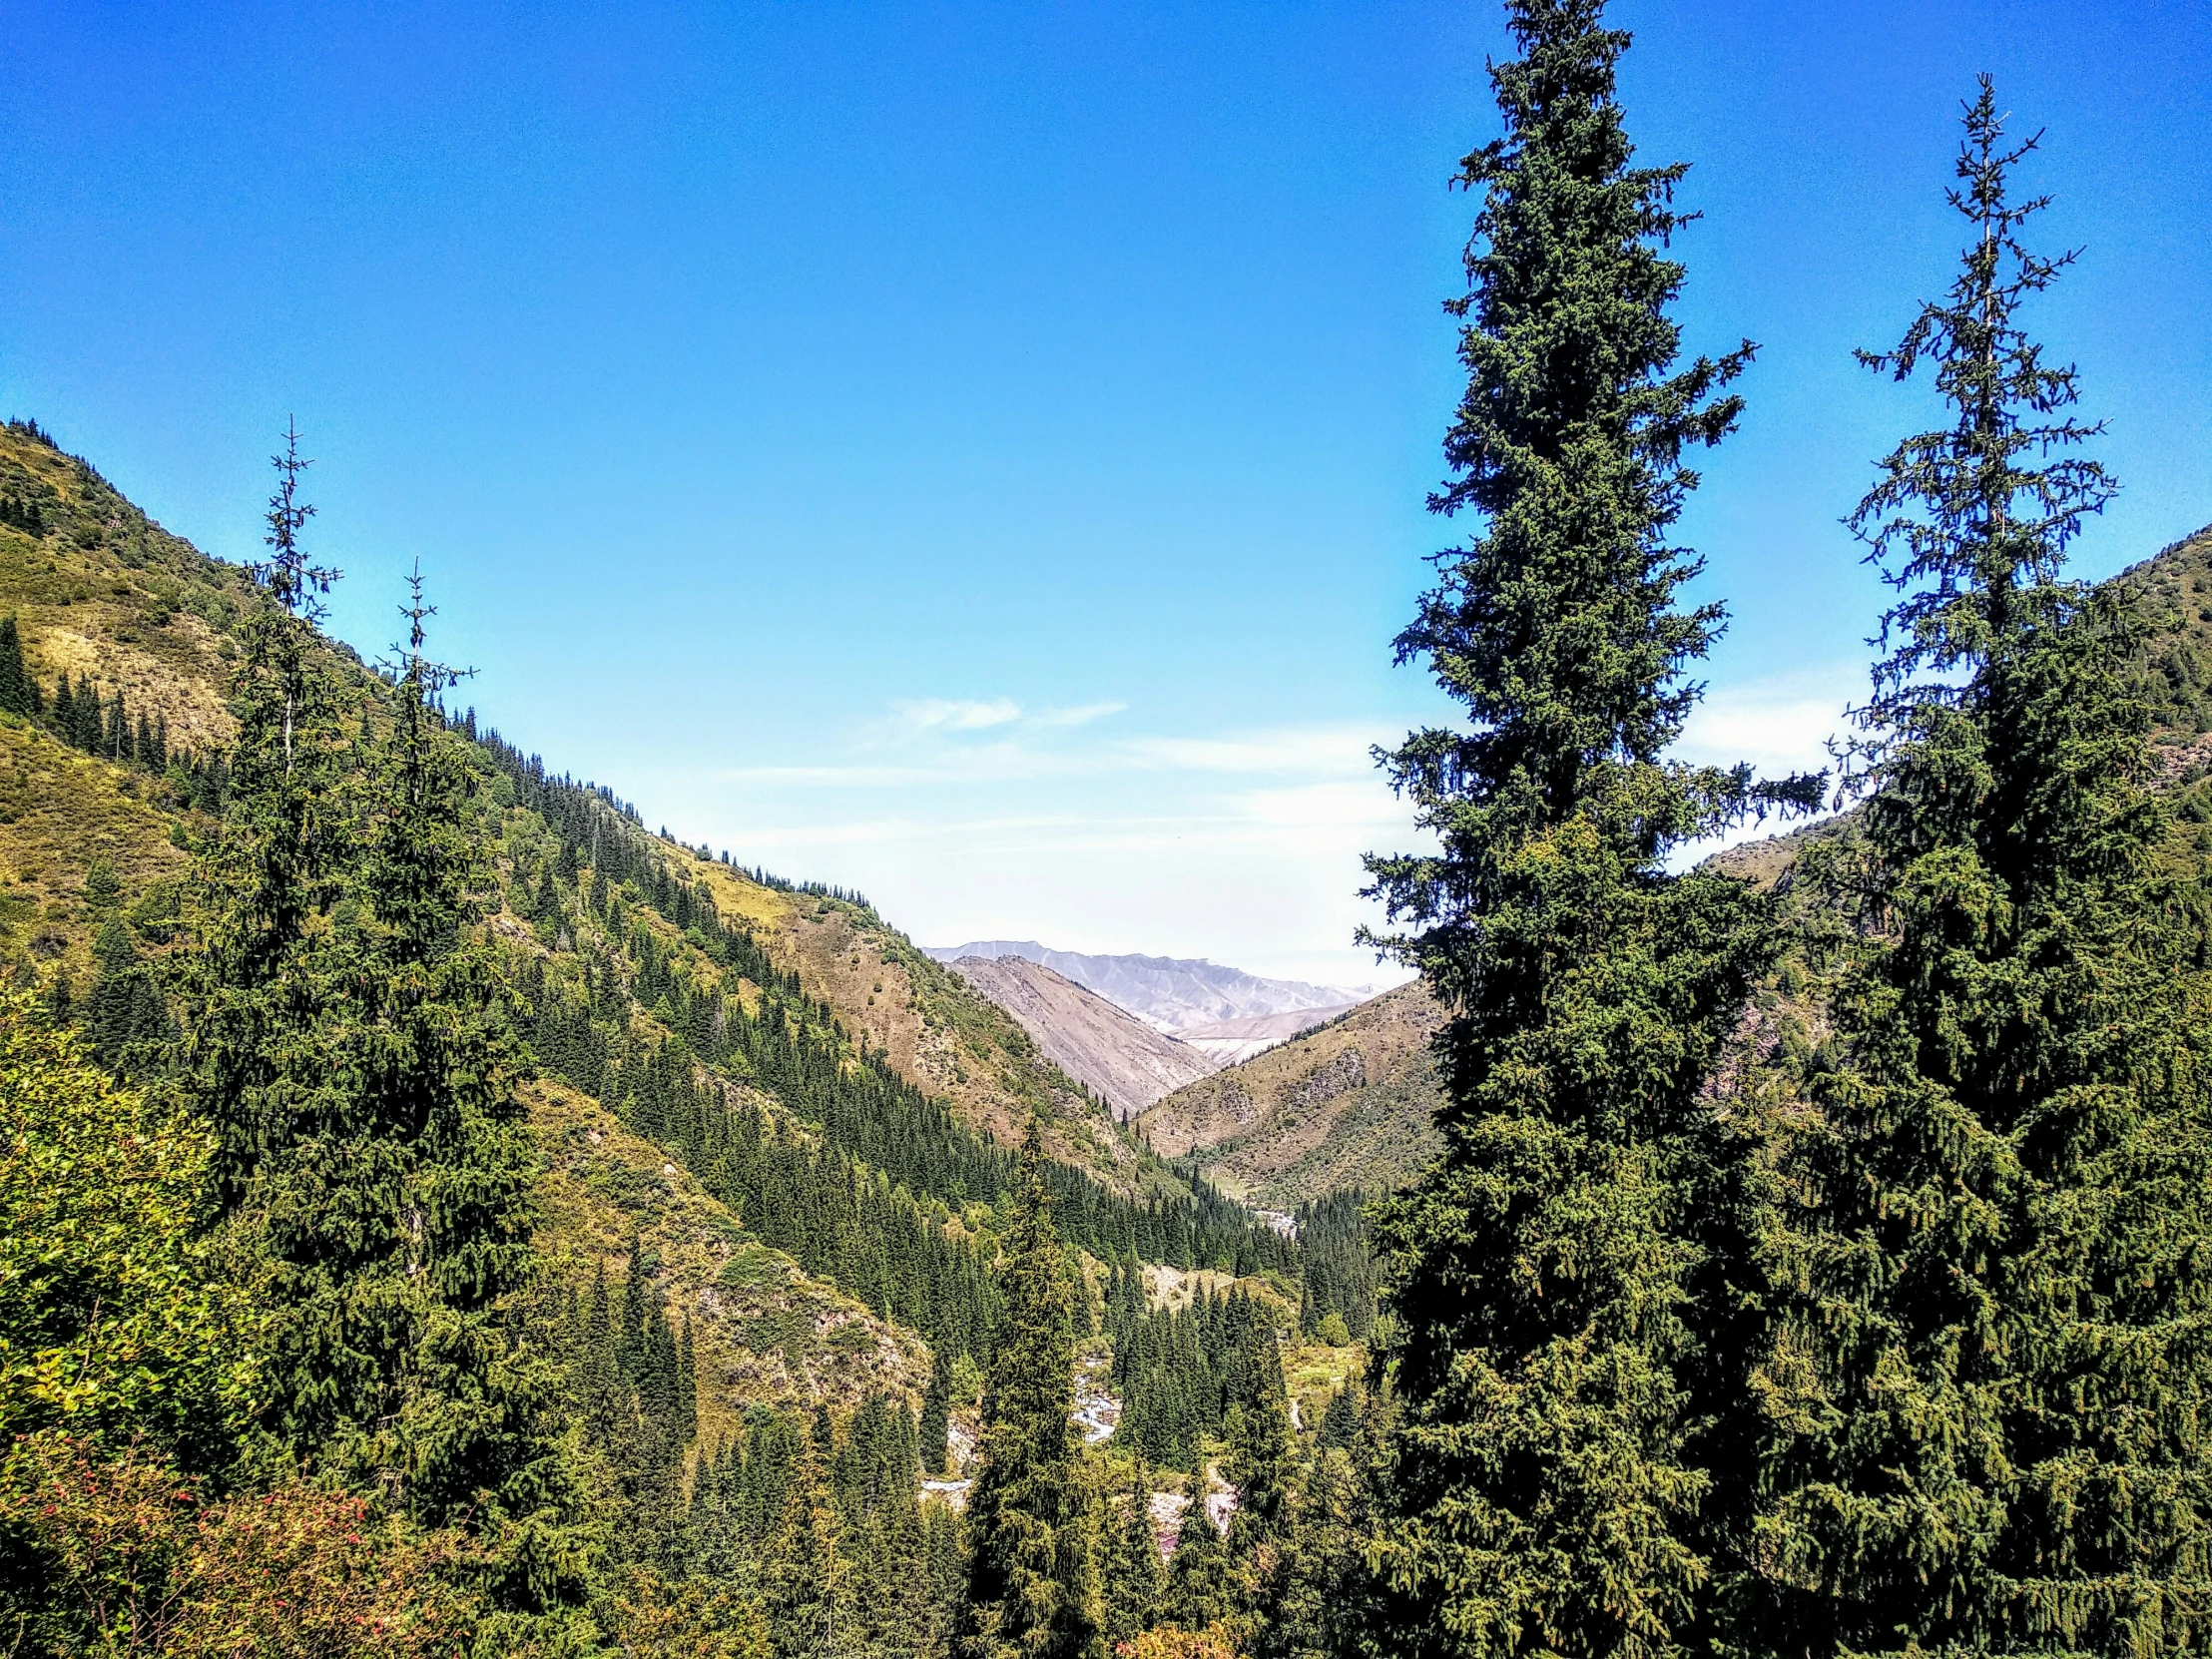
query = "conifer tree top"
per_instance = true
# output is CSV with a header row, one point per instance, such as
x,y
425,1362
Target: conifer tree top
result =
x,y
1965,516
1557,625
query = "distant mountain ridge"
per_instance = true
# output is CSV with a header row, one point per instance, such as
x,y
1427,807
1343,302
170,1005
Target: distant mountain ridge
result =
x,y
1232,1041
1115,1054
1348,1107
1168,994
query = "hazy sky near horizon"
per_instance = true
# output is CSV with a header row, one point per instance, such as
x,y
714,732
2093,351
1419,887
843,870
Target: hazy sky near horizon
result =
x,y
976,453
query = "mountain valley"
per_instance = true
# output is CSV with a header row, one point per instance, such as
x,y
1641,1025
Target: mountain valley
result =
x,y
1170,994
1126,1062
641,961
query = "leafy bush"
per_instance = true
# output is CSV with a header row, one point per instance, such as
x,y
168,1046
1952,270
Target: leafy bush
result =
x,y
130,1562
112,1318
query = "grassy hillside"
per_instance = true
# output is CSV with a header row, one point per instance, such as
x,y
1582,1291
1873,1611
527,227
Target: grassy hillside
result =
x,y
765,1330
105,594
627,952
1346,1106
936,1030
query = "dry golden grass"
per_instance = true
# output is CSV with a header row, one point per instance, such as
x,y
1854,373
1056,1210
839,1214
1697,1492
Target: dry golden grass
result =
x,y
1346,1106
936,1030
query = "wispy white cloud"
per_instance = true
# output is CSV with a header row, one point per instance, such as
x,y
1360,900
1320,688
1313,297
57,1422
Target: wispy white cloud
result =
x,y
933,750
1296,751
1778,725
1080,713
937,714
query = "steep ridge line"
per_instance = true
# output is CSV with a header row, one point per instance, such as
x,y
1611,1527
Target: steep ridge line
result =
x,y
1168,993
1118,1056
1342,1108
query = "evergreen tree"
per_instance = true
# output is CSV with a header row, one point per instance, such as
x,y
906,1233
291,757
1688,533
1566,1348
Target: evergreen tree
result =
x,y
936,1411
125,1008
18,691
1995,1387
807,1588
1555,1274
1199,1592
1033,1587
1260,1448
598,1382
359,1064
85,727
1338,1423
1315,1612
252,981
1131,1558
116,740
436,1060
687,1388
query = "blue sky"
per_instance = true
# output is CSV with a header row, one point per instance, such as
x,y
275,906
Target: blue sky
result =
x,y
976,453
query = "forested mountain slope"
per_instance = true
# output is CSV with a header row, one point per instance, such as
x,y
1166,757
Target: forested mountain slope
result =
x,y
932,1026
800,1116
93,845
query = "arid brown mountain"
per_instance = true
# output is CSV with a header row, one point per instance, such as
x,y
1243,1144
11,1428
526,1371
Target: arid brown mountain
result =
x,y
1118,1056
1343,1107
1228,1042
1168,993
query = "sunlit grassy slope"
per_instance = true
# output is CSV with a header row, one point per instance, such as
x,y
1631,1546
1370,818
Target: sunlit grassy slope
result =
x,y
106,593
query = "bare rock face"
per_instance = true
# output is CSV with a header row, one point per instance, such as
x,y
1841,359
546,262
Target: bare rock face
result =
x,y
1324,1082
1116,1055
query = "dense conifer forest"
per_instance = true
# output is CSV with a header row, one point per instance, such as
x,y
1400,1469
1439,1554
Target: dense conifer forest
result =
x,y
441,1217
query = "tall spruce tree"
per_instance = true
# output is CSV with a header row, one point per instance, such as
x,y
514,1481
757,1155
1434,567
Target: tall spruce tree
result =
x,y
1998,1382
807,1584
1260,1450
354,1049
1561,1277
434,1060
936,1410
1033,1586
251,982
1130,1558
